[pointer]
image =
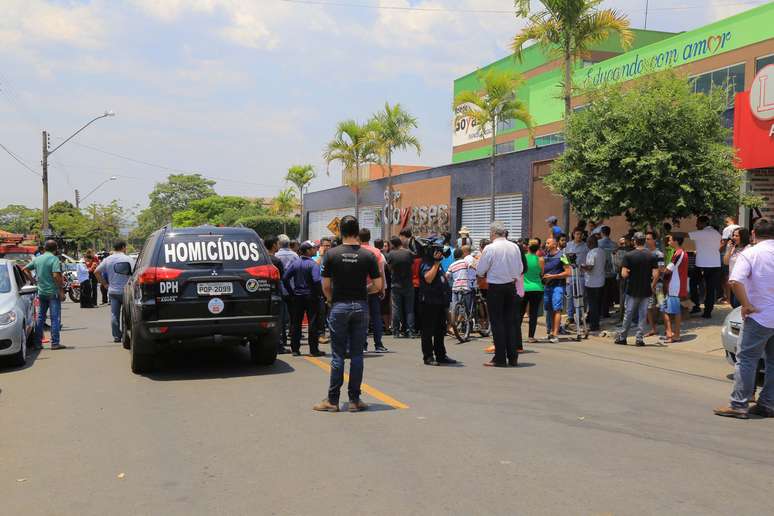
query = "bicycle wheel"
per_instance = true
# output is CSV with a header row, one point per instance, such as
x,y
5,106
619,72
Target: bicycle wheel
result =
x,y
482,317
460,322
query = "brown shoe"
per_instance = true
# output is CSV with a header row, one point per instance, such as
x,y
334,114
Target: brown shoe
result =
x,y
326,406
357,406
731,412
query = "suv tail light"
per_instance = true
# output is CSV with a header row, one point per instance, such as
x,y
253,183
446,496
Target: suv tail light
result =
x,y
267,272
153,275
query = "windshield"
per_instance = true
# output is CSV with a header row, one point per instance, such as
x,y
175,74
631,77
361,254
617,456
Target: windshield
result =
x,y
229,250
5,280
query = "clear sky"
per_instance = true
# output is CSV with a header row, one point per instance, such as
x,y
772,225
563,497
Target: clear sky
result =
x,y
240,89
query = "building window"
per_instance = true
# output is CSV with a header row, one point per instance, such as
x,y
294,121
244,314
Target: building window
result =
x,y
549,139
763,61
502,148
731,77
503,125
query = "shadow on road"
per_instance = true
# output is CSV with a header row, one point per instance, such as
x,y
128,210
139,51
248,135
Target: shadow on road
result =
x,y
208,364
372,407
32,357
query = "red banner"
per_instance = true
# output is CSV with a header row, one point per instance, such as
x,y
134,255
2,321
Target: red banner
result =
x,y
753,138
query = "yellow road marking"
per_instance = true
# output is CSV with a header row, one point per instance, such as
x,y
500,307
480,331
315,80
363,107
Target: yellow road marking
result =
x,y
376,393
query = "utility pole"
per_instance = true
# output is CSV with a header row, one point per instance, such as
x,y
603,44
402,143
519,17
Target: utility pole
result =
x,y
46,229
77,199
646,15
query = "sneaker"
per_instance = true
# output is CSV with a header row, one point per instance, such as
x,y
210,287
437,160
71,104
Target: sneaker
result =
x,y
381,349
357,406
429,361
760,410
532,340
414,335
620,341
400,336
492,363
552,339
116,341
317,353
640,343
446,361
59,346
732,412
326,406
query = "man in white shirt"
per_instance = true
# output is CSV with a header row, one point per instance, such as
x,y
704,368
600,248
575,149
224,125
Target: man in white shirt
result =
x,y
753,282
707,241
500,262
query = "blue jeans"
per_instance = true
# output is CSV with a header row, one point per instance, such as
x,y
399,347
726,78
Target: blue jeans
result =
x,y
638,306
54,305
403,310
756,339
116,301
348,322
375,315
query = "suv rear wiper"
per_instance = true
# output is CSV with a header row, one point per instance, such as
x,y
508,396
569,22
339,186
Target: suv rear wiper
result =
x,y
205,262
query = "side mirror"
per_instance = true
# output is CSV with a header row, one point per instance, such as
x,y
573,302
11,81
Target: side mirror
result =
x,y
28,290
124,268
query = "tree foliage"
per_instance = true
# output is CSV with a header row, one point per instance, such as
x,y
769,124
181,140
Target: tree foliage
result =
x,y
652,150
266,225
285,203
217,210
19,219
167,198
300,176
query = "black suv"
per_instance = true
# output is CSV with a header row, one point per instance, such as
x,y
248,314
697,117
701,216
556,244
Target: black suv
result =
x,y
203,283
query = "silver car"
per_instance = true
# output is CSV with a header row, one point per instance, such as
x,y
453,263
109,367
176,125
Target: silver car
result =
x,y
732,329
17,313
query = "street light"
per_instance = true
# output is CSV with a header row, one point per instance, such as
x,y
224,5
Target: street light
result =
x,y
78,197
44,163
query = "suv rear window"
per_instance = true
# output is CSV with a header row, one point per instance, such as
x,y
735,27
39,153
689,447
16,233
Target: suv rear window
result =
x,y
237,250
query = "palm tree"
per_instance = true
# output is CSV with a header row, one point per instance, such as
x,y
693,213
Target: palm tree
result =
x,y
284,204
392,128
300,176
495,102
568,28
353,145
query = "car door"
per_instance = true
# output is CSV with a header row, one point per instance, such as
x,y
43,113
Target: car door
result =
x,y
25,303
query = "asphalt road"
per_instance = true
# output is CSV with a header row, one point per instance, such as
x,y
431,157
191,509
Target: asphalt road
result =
x,y
579,428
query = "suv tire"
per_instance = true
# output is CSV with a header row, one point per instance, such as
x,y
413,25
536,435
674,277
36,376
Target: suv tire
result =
x,y
263,348
141,362
126,340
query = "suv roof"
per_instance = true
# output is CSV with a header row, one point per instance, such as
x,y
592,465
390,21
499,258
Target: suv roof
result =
x,y
207,228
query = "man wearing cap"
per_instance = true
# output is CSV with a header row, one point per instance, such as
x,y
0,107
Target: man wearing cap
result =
x,y
303,283
464,238
554,227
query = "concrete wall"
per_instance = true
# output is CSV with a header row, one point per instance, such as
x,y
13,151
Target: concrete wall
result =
x,y
469,179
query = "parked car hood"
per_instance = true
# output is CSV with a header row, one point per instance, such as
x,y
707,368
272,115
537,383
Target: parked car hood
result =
x,y
7,302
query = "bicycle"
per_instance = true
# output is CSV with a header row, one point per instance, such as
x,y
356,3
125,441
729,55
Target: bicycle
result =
x,y
468,317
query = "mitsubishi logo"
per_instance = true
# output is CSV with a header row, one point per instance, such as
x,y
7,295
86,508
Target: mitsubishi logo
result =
x,y
214,273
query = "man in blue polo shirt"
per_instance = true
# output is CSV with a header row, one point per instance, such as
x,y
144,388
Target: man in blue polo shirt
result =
x,y
303,283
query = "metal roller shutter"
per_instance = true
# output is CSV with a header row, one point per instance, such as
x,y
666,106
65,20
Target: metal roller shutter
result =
x,y
318,221
508,210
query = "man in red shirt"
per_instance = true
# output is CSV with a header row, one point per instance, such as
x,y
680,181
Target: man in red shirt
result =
x,y
374,300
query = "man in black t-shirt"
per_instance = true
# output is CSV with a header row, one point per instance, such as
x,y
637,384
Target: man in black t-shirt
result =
x,y
400,261
345,270
272,245
640,268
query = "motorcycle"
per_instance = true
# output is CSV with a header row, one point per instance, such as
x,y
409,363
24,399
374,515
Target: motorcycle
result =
x,y
72,287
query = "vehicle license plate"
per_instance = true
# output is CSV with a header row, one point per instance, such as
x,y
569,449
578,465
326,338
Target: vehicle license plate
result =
x,y
214,288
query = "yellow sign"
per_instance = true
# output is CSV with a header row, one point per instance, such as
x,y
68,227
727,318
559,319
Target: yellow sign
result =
x,y
333,225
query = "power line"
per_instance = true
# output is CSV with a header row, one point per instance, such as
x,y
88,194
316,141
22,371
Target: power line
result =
x,y
336,3
19,160
167,168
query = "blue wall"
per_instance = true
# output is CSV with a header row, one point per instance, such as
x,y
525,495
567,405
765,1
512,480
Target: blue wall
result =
x,y
513,174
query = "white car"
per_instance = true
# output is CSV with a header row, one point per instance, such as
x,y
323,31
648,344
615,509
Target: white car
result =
x,y
732,328
17,313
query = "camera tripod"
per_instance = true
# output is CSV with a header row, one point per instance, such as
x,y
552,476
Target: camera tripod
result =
x,y
576,284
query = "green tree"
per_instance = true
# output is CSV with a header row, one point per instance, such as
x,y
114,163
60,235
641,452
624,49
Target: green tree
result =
x,y
352,146
495,102
104,223
300,176
218,210
568,29
652,150
284,204
392,131
19,219
167,198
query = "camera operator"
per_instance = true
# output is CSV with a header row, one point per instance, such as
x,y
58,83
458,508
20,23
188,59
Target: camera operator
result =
x,y
434,299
